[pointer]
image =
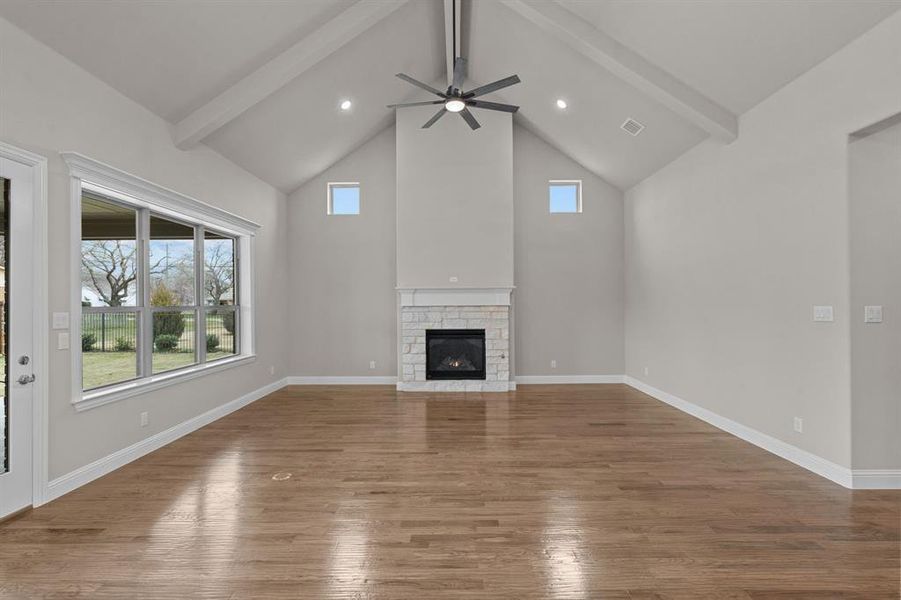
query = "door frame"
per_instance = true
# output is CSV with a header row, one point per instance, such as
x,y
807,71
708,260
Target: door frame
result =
x,y
39,407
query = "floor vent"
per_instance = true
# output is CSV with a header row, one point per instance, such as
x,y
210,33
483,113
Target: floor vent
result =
x,y
632,127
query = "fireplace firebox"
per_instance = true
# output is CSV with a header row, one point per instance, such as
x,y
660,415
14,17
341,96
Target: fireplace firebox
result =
x,y
455,353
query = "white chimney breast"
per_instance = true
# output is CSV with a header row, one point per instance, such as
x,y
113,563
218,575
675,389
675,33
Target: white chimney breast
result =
x,y
454,201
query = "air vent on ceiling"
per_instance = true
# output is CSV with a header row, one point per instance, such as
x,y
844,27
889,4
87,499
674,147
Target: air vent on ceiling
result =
x,y
632,127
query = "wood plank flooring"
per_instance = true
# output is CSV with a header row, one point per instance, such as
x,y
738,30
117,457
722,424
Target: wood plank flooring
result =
x,y
549,492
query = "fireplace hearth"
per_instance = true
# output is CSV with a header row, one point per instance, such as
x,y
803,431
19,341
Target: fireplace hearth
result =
x,y
455,354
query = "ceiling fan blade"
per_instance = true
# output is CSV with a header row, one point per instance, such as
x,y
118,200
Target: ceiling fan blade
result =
x,y
459,72
493,106
437,116
406,104
420,84
492,87
470,120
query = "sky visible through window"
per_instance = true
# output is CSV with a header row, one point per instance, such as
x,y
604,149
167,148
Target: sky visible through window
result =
x,y
345,200
564,197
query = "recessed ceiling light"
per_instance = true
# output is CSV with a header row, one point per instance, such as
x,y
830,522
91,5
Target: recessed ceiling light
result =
x,y
346,104
561,103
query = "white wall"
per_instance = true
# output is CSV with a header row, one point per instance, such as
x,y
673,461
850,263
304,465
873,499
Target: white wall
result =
x,y
454,201
875,184
569,268
568,271
729,247
342,312
47,104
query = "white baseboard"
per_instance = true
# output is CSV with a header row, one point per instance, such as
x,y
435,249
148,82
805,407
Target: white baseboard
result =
x,y
342,380
564,379
877,479
79,477
822,467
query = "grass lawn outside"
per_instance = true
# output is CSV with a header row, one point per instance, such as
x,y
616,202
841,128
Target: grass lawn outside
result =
x,y
105,368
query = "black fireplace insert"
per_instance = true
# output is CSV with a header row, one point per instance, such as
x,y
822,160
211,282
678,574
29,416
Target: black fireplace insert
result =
x,y
455,353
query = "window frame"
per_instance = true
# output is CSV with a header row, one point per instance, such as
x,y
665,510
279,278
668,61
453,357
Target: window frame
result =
x,y
329,200
124,189
561,183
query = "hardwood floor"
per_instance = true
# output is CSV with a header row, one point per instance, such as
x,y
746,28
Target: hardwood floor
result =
x,y
594,491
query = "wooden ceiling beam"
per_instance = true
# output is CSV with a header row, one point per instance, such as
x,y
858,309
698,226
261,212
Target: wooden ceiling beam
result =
x,y
586,39
281,70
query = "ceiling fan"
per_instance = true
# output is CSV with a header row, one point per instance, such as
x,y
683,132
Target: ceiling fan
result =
x,y
456,100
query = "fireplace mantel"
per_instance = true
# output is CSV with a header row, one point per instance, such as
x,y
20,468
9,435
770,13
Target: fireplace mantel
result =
x,y
457,296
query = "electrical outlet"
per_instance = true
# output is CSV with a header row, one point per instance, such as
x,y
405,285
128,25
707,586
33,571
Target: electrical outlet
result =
x,y
371,365
145,419
553,364
647,371
62,340
799,424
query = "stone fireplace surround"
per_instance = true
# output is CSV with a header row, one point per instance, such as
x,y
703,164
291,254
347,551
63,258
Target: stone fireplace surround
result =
x,y
455,308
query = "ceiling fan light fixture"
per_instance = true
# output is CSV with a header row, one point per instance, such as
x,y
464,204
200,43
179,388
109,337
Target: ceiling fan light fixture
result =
x,y
454,105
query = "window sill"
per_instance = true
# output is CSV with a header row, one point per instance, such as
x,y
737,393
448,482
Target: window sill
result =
x,y
96,398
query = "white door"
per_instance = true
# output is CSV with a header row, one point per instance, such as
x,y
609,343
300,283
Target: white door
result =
x,y
16,318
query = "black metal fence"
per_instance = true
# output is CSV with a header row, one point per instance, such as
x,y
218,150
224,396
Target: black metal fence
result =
x,y
221,324
103,331
116,331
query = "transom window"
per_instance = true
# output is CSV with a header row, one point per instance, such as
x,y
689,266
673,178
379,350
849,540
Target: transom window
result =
x,y
158,294
565,196
343,198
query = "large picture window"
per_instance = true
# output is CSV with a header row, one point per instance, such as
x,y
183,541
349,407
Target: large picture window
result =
x,y
159,294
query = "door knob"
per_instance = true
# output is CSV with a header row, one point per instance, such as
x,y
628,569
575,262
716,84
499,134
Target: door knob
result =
x,y
26,379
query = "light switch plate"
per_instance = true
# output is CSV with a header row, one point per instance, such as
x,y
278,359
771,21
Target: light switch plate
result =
x,y
60,320
872,314
62,341
823,314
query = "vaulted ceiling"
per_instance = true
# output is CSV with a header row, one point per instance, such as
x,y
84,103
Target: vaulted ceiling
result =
x,y
261,81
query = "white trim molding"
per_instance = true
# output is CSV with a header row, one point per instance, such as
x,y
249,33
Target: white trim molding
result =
x,y
342,380
88,473
822,467
568,379
95,398
455,296
139,190
87,174
876,479
40,331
